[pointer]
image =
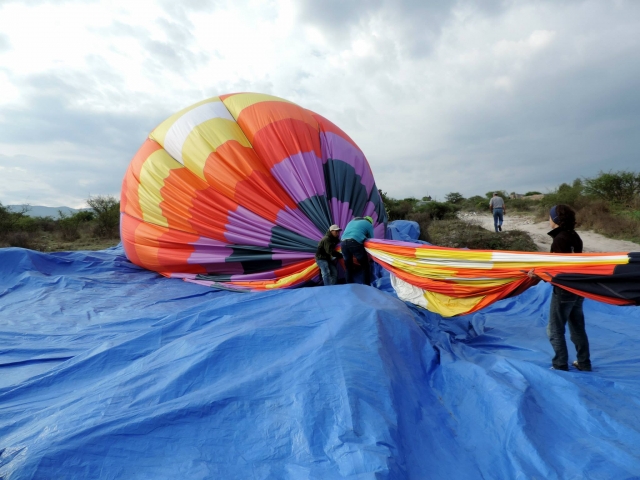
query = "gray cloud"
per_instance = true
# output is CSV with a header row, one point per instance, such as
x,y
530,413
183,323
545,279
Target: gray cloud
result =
x,y
5,43
449,97
52,113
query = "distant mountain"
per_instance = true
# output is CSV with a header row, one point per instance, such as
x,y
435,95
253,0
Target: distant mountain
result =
x,y
41,211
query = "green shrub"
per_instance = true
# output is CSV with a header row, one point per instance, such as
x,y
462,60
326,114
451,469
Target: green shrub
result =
x,y
9,220
454,197
460,234
24,240
520,205
617,187
501,193
107,215
423,220
567,194
439,210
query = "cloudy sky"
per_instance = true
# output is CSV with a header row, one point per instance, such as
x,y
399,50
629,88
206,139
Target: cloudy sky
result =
x,y
441,96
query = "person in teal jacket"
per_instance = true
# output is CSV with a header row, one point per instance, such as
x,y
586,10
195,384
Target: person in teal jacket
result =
x,y
353,237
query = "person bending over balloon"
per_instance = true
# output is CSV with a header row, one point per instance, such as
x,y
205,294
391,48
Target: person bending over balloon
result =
x,y
353,237
326,255
566,307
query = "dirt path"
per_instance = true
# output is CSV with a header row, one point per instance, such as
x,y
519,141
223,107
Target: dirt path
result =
x,y
593,242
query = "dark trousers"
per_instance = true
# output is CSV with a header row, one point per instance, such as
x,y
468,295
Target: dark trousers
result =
x,y
350,249
566,307
498,217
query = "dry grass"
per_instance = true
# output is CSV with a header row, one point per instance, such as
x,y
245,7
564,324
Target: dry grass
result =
x,y
468,234
599,217
57,241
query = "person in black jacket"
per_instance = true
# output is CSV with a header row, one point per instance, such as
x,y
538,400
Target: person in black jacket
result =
x,y
326,255
566,307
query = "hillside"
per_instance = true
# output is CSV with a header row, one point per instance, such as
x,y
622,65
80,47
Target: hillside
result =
x,y
42,211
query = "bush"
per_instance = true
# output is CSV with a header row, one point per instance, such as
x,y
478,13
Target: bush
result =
x,y
501,193
24,240
619,187
520,205
567,194
107,215
454,197
399,209
69,226
9,220
532,193
423,220
600,217
461,234
439,210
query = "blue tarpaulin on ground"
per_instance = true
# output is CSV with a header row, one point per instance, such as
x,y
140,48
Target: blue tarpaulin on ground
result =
x,y
109,371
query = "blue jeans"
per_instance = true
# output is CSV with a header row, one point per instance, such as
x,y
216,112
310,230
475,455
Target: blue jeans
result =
x,y
566,307
329,272
350,249
498,217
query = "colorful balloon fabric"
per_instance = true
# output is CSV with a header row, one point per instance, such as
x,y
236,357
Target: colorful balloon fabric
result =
x,y
453,281
237,190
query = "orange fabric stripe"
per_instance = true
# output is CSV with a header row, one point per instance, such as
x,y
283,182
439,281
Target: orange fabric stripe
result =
x,y
328,126
210,214
157,248
128,225
263,195
282,272
593,296
178,192
254,118
238,173
284,138
130,202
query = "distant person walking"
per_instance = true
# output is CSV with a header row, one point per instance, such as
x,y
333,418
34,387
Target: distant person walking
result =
x,y
326,255
353,237
498,210
566,307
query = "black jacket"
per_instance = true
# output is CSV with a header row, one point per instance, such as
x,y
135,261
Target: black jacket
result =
x,y
327,247
565,241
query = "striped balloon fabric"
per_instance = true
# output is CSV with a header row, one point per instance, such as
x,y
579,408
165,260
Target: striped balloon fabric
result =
x,y
452,281
237,190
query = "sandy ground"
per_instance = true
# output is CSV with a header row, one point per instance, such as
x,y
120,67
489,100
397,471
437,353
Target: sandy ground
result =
x,y
593,242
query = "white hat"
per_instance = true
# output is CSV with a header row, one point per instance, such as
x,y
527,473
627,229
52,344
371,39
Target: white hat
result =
x,y
334,227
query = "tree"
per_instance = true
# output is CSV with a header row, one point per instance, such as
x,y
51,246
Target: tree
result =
x,y
9,219
502,193
619,187
454,197
107,211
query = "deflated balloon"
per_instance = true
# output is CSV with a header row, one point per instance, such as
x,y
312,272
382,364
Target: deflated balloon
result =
x,y
239,189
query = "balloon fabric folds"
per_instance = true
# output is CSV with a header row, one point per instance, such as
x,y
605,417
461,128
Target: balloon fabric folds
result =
x,y
237,190
454,281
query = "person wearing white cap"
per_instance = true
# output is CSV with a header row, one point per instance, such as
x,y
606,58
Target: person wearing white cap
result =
x,y
326,255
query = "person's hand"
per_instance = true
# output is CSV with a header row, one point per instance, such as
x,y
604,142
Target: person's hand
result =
x,y
531,274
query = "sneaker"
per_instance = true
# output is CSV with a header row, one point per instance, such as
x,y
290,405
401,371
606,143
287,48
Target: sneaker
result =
x,y
565,369
582,368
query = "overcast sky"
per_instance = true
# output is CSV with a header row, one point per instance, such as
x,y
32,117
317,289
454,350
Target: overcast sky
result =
x,y
440,96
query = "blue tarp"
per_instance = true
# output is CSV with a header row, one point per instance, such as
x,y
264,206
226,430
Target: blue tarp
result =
x,y
109,371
